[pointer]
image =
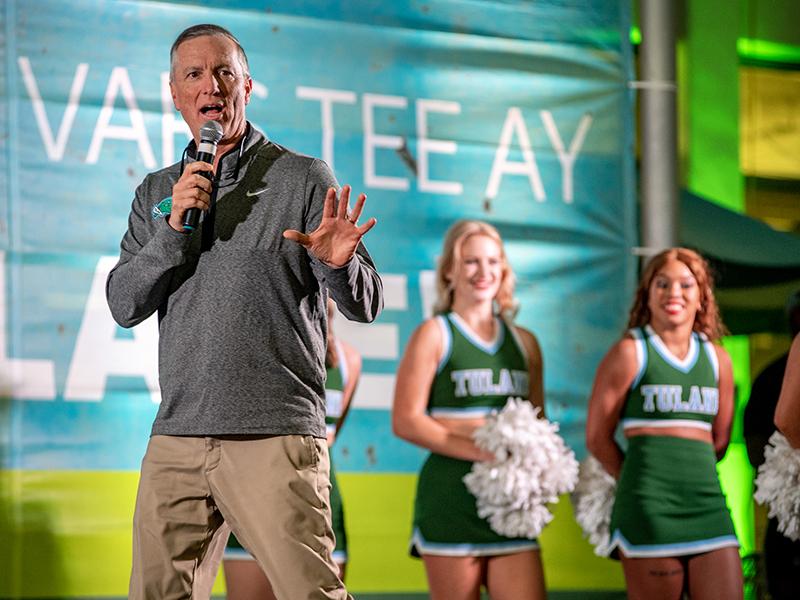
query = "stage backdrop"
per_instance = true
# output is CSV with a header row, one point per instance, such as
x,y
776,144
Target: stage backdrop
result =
x,y
514,112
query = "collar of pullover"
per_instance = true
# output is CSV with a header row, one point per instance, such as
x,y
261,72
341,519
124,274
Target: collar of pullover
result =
x,y
229,168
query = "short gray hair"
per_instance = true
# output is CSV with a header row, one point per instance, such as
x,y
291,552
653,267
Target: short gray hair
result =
x,y
196,31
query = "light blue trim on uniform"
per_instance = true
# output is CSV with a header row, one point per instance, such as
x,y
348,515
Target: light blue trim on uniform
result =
x,y
463,413
440,549
712,357
488,347
447,343
641,355
679,549
342,360
631,423
339,556
237,554
688,362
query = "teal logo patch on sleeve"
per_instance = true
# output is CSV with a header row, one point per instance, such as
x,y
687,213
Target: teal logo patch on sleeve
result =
x,y
162,209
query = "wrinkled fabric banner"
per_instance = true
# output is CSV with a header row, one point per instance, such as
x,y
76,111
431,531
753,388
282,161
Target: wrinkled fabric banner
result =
x,y
514,112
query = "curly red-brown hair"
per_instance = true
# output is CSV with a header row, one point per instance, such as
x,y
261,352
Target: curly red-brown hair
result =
x,y
707,320
451,256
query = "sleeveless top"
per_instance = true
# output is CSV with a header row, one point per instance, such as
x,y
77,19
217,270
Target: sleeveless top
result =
x,y
668,392
475,377
334,390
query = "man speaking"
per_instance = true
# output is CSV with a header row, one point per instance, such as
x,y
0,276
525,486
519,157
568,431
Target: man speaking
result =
x,y
241,301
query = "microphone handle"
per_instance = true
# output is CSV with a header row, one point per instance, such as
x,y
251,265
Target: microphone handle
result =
x,y
192,216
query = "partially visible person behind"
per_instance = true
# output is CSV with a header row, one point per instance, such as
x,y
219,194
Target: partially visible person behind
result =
x,y
670,386
244,579
241,313
787,414
457,367
760,411
781,555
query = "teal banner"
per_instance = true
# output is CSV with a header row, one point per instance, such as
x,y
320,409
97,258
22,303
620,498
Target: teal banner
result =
x,y
515,112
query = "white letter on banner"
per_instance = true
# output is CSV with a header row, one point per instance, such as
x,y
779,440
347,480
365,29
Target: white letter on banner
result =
x,y
119,81
427,292
372,141
377,341
54,148
426,145
98,354
260,90
170,126
22,378
514,121
326,98
567,159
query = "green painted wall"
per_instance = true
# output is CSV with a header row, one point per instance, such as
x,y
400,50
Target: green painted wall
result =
x,y
711,112
53,548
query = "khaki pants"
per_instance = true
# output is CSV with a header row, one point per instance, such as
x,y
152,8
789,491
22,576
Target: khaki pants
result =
x,y
273,492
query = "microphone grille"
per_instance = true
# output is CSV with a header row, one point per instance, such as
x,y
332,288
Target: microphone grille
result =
x,y
211,131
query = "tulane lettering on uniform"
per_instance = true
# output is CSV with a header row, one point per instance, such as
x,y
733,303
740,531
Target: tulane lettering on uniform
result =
x,y
669,399
480,382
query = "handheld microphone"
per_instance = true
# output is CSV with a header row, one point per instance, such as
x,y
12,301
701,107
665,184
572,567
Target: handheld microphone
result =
x,y
210,135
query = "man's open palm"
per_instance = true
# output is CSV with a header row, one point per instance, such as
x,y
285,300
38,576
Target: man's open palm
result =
x,y
335,240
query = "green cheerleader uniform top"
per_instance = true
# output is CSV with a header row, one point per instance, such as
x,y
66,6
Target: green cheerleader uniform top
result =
x,y
668,392
475,377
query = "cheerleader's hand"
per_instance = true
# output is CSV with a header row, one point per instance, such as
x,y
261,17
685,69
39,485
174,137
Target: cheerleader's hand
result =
x,y
486,456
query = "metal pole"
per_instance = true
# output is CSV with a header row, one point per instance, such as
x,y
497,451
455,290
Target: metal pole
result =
x,y
658,126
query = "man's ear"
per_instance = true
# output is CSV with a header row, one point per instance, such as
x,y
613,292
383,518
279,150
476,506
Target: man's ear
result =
x,y
174,95
248,89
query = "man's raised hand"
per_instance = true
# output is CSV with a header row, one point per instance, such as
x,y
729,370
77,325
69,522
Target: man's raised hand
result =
x,y
335,240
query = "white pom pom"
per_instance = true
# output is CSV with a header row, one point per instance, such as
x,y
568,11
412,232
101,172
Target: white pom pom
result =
x,y
533,466
592,502
778,485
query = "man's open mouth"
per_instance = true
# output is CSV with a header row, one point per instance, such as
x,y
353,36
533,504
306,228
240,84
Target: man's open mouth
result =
x,y
212,110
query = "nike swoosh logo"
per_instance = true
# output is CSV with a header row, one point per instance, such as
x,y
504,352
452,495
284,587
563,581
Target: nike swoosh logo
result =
x,y
257,192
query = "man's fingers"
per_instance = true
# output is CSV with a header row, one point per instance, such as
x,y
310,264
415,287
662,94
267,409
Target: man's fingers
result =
x,y
329,209
344,200
194,197
202,183
356,214
196,192
196,203
199,166
192,187
297,236
367,226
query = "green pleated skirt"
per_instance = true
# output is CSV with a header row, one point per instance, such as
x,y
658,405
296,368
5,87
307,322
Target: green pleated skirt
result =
x,y
669,501
446,521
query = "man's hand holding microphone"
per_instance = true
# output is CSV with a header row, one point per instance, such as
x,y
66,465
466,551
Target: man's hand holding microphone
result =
x,y
191,194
